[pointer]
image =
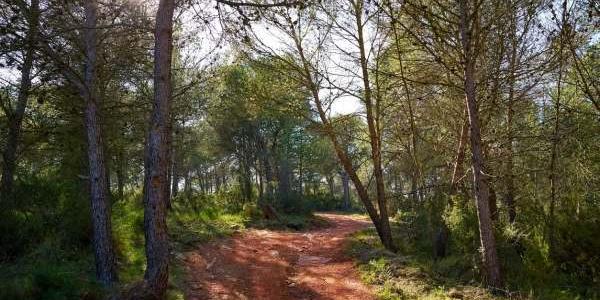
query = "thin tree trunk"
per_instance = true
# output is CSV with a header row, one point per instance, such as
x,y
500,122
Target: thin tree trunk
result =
x,y
486,229
554,156
100,207
510,185
175,174
458,171
493,201
284,179
510,177
330,184
157,161
417,174
374,134
120,177
16,118
381,224
187,187
260,182
346,188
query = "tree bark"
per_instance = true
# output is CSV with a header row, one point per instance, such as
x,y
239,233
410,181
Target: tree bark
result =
x,y
458,171
175,174
346,188
15,119
120,176
157,161
284,180
553,161
468,31
374,134
509,198
381,223
100,207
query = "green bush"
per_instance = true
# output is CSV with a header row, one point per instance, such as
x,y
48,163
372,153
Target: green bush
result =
x,y
50,272
461,219
41,207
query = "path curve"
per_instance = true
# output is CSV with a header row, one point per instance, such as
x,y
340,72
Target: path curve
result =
x,y
273,265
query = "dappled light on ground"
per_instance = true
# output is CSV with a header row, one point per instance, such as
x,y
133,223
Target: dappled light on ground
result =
x,y
260,264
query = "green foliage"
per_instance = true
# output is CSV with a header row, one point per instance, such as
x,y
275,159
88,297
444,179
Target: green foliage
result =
x,y
414,273
128,236
188,227
42,207
461,219
50,272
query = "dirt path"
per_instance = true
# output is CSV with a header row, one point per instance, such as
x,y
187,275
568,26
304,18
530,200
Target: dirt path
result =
x,y
262,264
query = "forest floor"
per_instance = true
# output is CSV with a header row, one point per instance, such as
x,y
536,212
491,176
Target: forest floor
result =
x,y
266,264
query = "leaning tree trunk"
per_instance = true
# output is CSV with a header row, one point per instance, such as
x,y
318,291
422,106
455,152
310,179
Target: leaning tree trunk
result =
x,y
381,224
16,119
100,207
486,229
156,185
374,134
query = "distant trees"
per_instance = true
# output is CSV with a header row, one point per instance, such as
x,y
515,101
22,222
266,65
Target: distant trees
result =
x,y
264,122
484,95
306,58
495,101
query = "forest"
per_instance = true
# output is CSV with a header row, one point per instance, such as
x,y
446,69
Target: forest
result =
x,y
300,149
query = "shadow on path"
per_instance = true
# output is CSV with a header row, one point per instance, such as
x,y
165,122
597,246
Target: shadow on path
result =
x,y
263,264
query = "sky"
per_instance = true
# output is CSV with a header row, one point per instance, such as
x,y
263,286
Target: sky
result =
x,y
200,23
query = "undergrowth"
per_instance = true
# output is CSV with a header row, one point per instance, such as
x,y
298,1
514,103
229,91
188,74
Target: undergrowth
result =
x,y
415,274
45,242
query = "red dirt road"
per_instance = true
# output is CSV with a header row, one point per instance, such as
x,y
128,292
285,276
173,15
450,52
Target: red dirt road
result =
x,y
262,264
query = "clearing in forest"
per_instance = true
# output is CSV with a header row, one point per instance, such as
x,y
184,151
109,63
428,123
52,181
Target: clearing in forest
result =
x,y
263,264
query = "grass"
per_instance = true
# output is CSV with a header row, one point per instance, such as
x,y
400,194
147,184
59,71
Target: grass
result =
x,y
55,267
414,274
405,277
187,228
50,272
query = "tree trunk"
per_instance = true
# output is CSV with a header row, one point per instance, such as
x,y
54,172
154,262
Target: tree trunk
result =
x,y
260,180
346,188
187,186
120,180
381,224
481,190
493,201
16,118
100,207
509,199
553,161
330,184
374,133
157,161
284,180
175,174
458,171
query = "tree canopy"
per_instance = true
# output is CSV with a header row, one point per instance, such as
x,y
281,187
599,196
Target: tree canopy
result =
x,y
468,132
